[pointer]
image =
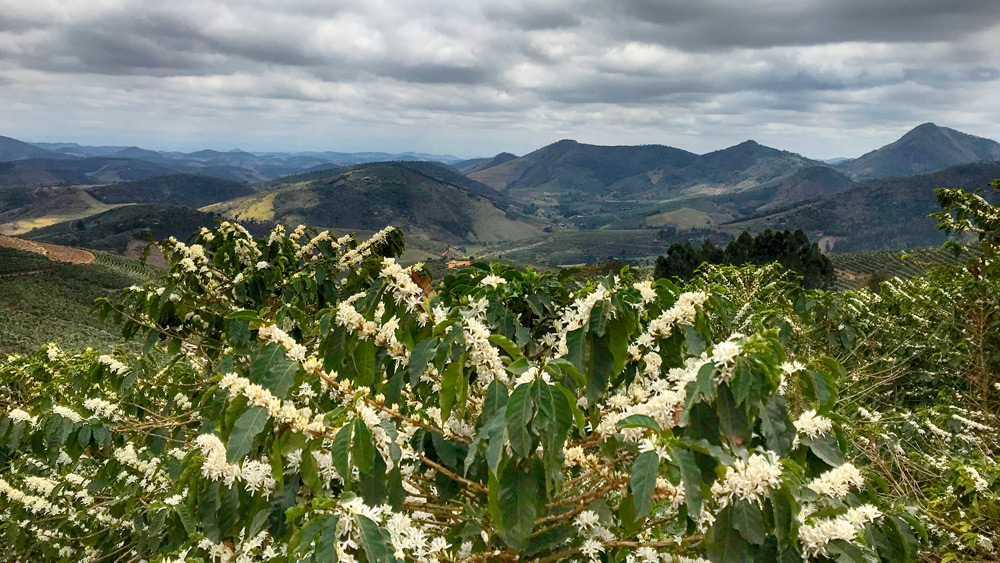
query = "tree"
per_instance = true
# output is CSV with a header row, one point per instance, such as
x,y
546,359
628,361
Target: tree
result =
x,y
790,249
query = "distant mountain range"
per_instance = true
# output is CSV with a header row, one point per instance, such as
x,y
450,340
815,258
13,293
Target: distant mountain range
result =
x,y
568,200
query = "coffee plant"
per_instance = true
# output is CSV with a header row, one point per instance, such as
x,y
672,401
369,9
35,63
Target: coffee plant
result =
x,y
306,398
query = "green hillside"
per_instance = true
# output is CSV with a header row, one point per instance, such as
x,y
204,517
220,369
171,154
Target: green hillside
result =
x,y
121,230
188,190
43,301
877,214
425,200
736,168
569,166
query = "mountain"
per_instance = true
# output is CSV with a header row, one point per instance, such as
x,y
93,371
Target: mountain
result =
x,y
477,164
809,183
571,167
740,167
12,149
877,214
926,148
97,170
425,199
188,190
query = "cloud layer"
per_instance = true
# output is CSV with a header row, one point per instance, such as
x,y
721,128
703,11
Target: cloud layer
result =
x,y
821,77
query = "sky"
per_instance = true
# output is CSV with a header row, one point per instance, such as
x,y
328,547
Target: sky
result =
x,y
824,78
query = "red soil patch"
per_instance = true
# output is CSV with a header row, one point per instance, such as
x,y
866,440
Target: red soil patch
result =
x,y
50,251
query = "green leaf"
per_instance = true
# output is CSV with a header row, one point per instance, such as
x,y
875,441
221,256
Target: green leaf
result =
x,y
246,429
554,418
419,357
364,363
273,370
725,543
453,382
643,480
375,541
575,344
363,451
519,492
326,542
691,475
495,400
786,511
777,427
749,520
339,451
520,411
508,346
639,421
826,448
599,366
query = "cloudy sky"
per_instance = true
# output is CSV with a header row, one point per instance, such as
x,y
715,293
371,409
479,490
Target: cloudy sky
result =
x,y
824,78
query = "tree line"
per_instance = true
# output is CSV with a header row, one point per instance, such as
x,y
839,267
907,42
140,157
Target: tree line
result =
x,y
791,249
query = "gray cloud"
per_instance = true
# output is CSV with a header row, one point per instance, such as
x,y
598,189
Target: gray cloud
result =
x,y
822,77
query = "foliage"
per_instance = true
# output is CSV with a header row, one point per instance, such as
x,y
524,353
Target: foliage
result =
x,y
312,400
921,400
790,249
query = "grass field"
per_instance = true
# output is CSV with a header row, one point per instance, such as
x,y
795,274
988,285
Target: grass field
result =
x,y
43,301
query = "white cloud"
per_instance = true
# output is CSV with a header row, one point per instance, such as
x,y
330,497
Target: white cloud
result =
x,y
821,77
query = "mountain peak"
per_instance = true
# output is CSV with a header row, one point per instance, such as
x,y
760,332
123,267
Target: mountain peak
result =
x,y
925,148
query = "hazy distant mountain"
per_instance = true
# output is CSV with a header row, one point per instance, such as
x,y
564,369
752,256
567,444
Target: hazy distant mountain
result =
x,y
569,166
371,196
97,170
879,213
836,161
12,149
926,148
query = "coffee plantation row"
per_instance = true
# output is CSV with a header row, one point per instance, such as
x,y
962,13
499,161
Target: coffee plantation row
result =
x,y
306,398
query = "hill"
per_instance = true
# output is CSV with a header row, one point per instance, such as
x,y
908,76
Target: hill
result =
x,y
44,301
855,269
188,190
876,214
424,199
926,148
23,209
737,168
813,182
477,164
571,167
120,230
12,149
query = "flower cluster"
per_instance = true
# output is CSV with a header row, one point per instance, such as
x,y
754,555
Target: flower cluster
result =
x,y
838,481
295,351
750,480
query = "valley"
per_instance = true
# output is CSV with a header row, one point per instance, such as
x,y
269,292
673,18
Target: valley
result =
x,y
565,203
